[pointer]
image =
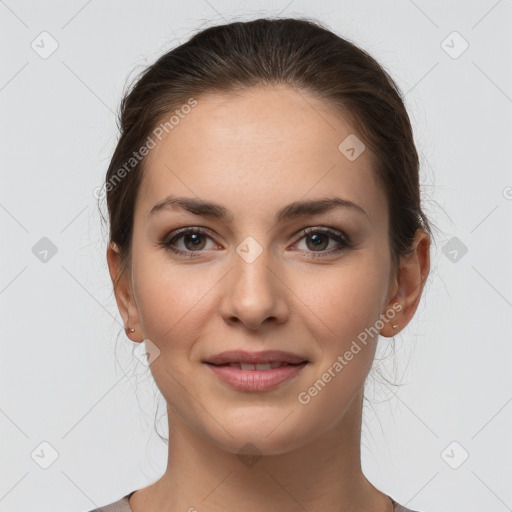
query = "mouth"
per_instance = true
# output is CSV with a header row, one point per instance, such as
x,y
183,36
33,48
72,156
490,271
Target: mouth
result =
x,y
256,371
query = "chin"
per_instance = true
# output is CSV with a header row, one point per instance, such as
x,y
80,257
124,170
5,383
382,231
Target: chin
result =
x,y
260,433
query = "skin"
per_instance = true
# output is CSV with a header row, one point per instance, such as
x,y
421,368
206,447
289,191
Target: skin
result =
x,y
255,153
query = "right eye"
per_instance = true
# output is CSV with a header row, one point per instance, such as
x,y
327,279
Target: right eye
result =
x,y
191,239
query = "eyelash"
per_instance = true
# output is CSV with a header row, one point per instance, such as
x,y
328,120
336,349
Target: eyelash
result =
x,y
343,241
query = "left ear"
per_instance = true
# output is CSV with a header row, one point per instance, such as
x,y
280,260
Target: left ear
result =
x,y
408,284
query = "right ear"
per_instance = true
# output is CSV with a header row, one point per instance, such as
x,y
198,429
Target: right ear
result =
x,y
123,293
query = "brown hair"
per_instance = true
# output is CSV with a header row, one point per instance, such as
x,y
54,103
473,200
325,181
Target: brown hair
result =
x,y
300,53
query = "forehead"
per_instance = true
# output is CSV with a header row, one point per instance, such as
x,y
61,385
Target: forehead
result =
x,y
259,149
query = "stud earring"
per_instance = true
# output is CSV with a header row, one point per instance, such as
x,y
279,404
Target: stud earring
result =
x,y
129,330
395,326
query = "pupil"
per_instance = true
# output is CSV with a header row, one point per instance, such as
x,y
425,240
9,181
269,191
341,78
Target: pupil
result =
x,y
195,238
317,239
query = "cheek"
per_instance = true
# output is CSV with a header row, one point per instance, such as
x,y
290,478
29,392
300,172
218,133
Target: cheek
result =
x,y
342,302
171,300
345,306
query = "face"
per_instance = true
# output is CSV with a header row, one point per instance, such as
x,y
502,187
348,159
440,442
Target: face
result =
x,y
259,275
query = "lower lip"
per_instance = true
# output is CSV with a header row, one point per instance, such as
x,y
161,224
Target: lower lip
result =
x,y
256,380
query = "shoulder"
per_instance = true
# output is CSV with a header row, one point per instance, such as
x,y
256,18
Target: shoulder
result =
x,y
122,505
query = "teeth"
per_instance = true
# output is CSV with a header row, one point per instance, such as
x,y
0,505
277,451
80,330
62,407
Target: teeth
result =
x,y
259,366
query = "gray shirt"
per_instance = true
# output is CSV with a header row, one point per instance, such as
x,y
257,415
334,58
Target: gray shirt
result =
x,y
123,505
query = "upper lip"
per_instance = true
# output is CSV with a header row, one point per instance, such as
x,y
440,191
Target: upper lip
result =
x,y
267,356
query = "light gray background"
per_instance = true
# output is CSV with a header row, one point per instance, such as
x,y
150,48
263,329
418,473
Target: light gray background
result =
x,y
63,364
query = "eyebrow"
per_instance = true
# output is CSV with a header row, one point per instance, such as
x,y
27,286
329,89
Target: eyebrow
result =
x,y
290,211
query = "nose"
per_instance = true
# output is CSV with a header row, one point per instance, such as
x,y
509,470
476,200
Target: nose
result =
x,y
254,293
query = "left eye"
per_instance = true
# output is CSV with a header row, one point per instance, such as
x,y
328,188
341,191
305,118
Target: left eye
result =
x,y
319,240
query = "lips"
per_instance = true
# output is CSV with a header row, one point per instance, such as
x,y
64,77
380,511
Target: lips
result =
x,y
256,371
265,360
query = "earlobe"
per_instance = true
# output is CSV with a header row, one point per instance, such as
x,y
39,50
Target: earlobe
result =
x,y
392,324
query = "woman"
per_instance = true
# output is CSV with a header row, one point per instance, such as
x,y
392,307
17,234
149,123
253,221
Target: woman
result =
x,y
265,229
